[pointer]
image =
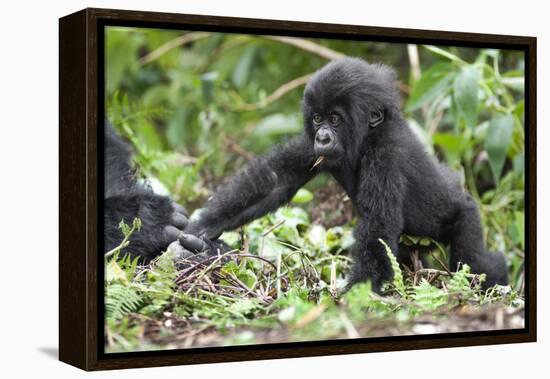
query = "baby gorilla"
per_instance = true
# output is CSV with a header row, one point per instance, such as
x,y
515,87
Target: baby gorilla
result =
x,y
354,130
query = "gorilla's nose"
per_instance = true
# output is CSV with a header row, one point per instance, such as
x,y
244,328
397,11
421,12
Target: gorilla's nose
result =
x,y
323,137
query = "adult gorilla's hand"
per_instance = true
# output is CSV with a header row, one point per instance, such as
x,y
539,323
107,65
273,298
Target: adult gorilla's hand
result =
x,y
189,246
178,222
202,244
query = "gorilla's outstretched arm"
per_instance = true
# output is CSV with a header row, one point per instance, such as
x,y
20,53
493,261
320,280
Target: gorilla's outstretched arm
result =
x,y
265,184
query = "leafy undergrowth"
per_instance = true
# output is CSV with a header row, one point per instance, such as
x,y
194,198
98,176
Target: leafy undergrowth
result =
x,y
283,282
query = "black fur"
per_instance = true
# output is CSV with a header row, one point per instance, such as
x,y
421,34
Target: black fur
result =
x,y
124,199
352,117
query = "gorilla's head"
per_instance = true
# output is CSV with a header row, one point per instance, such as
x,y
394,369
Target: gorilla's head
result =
x,y
345,102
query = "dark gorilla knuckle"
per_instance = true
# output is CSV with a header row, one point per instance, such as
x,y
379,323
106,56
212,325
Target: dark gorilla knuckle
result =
x,y
179,220
171,233
193,243
180,209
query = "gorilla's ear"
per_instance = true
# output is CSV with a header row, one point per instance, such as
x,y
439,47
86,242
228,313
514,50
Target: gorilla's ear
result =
x,y
376,117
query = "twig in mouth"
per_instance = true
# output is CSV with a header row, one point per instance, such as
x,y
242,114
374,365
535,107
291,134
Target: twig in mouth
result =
x,y
318,162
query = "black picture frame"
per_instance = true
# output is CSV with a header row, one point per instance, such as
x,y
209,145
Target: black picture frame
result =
x,y
81,113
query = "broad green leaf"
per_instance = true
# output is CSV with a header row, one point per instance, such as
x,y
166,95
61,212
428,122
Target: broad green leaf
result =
x,y
433,83
292,216
242,273
289,218
231,238
415,240
208,81
499,137
231,268
243,69
480,132
339,237
519,109
177,131
408,240
278,124
519,163
288,233
317,236
271,247
452,145
302,196
425,241
465,89
248,277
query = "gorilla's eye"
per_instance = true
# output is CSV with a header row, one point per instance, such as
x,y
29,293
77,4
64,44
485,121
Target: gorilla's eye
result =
x,y
334,119
317,119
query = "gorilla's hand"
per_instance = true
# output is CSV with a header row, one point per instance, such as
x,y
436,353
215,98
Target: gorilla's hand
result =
x,y
178,222
189,246
201,226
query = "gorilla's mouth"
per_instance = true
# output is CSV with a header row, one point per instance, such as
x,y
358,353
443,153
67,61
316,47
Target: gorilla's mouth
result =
x,y
331,152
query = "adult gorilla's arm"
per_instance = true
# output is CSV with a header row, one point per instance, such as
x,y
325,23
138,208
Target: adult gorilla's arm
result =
x,y
124,198
265,184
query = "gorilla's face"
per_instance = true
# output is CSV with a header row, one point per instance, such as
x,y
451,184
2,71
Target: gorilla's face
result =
x,y
326,125
344,104
330,118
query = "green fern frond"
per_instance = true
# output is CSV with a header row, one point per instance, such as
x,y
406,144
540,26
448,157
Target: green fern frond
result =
x,y
397,281
428,297
121,300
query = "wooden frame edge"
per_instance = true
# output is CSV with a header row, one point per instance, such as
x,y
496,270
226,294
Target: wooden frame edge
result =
x,y
72,190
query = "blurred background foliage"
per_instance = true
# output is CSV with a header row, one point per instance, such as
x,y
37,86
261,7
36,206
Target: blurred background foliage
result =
x,y
196,106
